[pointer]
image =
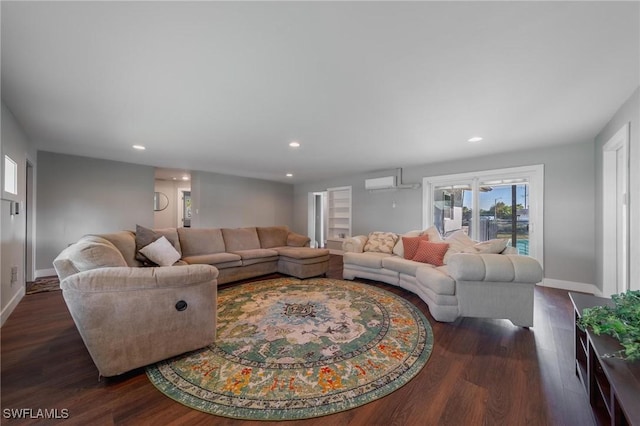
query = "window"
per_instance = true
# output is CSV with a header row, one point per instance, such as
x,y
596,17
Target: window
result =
x,y
504,203
10,175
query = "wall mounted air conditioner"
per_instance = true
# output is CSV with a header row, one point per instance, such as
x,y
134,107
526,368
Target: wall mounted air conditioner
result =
x,y
386,182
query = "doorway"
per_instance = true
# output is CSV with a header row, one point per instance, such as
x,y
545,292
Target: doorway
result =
x,y
615,213
317,222
28,232
184,207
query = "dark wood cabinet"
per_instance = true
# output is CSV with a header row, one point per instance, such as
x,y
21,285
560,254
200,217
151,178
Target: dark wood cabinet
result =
x,y
613,385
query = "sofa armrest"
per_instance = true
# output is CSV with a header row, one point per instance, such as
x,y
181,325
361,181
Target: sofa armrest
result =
x,y
494,267
133,279
355,244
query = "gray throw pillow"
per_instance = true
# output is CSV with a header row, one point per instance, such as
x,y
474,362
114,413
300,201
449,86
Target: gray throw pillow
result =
x,y
144,237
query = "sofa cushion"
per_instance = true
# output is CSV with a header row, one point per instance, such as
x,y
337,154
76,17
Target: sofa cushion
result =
x,y
302,252
199,241
355,244
297,240
436,280
272,236
125,242
171,234
381,242
240,239
161,252
88,254
432,253
253,256
368,259
402,265
219,260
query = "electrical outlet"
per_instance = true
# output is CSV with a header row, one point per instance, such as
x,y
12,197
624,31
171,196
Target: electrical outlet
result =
x,y
14,275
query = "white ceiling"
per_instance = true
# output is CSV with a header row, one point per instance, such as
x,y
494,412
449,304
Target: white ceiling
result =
x,y
363,86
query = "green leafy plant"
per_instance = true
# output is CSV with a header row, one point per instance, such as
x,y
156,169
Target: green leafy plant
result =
x,y
621,321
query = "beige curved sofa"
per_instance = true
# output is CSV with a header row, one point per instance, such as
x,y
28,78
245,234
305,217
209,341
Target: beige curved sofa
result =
x,y
483,285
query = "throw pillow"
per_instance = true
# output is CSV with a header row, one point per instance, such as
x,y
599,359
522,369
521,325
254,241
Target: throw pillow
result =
x,y
433,233
411,245
429,252
161,252
459,242
398,249
491,246
297,240
144,237
381,242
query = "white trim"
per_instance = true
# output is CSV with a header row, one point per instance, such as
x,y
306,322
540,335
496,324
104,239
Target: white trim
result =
x,y
45,273
533,173
615,265
12,305
571,286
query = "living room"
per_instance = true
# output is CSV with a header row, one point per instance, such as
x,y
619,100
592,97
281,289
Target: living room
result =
x,y
87,179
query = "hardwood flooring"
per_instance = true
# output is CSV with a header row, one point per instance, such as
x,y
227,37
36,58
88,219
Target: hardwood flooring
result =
x,y
486,372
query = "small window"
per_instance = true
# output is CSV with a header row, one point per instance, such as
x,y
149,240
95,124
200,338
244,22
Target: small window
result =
x,y
10,176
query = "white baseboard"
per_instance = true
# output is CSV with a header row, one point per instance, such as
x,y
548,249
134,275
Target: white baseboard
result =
x,y
12,305
571,286
45,273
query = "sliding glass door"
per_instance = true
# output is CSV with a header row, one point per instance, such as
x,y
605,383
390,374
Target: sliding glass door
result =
x,y
504,203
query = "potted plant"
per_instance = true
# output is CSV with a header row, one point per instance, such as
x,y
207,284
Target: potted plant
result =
x,y
622,321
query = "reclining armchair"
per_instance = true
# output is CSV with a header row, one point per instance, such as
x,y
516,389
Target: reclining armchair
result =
x,y
128,316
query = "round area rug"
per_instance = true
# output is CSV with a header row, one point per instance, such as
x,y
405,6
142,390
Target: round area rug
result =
x,y
290,349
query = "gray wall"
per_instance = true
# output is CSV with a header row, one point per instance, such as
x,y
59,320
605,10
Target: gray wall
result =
x,y
16,145
629,112
81,195
569,241
230,201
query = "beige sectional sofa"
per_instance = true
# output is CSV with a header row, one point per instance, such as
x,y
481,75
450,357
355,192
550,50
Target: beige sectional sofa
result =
x,y
473,282
241,253
129,315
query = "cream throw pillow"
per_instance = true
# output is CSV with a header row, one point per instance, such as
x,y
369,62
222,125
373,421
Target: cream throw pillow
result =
x,y
161,252
381,242
459,242
491,246
433,233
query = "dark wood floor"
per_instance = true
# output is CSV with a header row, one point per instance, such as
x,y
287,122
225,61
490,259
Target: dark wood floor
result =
x,y
486,372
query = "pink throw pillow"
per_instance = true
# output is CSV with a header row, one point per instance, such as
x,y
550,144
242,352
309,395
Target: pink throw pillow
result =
x,y
410,245
432,253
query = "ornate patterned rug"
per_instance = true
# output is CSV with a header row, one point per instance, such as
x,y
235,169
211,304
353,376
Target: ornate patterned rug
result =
x,y
290,349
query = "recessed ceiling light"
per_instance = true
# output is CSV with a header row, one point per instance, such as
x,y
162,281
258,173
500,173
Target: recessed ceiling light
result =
x,y
475,139
294,144
139,147
289,174
185,177
174,178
